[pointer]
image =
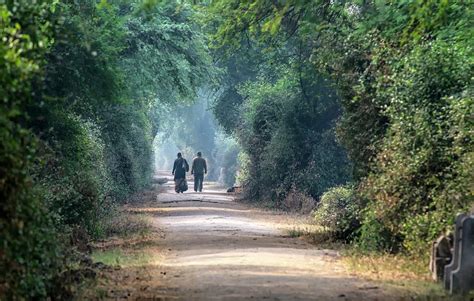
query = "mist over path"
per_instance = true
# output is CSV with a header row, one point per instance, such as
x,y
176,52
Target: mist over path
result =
x,y
219,249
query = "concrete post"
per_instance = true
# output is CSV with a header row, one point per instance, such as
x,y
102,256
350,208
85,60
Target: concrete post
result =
x,y
459,275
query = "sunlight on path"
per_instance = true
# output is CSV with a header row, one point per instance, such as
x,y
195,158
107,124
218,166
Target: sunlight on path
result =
x,y
218,249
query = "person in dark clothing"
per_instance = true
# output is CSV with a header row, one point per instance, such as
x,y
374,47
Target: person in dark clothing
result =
x,y
198,169
180,168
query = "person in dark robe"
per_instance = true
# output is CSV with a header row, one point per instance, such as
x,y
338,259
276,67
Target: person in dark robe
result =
x,y
180,168
198,169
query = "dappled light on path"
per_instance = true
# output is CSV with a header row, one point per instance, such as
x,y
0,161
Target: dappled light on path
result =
x,y
220,249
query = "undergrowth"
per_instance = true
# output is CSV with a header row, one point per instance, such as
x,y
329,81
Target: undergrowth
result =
x,y
125,224
123,257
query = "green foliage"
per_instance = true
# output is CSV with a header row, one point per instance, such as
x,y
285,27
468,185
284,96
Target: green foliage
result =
x,y
28,260
227,152
242,66
373,236
117,87
127,131
402,72
422,175
289,138
75,178
339,212
164,42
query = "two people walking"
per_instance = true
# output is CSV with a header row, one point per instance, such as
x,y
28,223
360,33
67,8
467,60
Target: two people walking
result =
x,y
198,169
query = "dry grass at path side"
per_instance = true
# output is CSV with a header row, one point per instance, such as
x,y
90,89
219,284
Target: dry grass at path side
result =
x,y
130,255
387,269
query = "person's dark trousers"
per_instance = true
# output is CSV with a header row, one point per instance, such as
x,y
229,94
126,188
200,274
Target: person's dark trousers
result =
x,y
198,179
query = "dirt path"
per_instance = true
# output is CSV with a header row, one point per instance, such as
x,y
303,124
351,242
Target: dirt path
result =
x,y
218,249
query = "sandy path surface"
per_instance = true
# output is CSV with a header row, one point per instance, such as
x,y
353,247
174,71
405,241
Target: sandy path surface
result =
x,y
219,249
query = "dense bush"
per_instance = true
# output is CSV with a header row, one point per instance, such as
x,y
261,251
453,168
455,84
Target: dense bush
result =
x,y
127,133
297,201
423,173
28,259
339,212
289,137
75,178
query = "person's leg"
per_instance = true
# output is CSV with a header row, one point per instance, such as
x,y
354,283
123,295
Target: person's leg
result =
x,y
181,188
176,185
201,179
196,180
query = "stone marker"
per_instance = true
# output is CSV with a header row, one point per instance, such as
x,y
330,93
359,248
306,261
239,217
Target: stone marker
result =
x,y
441,256
455,258
459,274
